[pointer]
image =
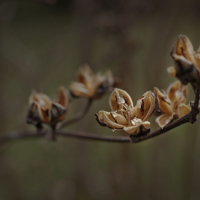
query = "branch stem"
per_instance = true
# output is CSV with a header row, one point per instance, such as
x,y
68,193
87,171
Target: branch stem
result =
x,y
79,116
190,117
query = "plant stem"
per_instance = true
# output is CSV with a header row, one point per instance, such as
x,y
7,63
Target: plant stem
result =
x,y
79,116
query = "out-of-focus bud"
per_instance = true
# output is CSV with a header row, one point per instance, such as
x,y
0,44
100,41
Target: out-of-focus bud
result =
x,y
172,103
171,71
43,110
40,108
92,86
187,61
60,105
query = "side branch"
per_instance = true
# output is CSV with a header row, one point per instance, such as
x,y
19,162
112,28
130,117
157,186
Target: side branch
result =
x,y
79,116
190,117
75,134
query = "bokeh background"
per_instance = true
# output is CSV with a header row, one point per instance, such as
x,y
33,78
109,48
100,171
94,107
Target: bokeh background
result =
x,y
42,44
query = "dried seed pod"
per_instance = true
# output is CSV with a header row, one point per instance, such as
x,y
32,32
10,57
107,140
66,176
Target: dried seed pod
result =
x,y
111,120
41,104
164,119
165,103
146,105
43,110
136,124
91,86
63,97
187,61
172,103
123,114
120,99
177,92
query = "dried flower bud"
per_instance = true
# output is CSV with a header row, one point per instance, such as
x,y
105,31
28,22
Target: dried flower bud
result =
x,y
187,61
43,110
146,105
124,115
119,99
172,103
171,71
165,103
41,106
90,85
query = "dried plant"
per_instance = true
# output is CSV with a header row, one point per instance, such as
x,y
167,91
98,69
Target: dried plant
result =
x,y
92,86
127,117
170,104
43,110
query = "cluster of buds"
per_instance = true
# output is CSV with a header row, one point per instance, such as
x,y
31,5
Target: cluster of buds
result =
x,y
172,103
133,120
43,110
187,61
89,85
124,115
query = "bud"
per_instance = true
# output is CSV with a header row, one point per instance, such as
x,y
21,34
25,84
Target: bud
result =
x,y
187,61
125,116
43,110
172,103
89,85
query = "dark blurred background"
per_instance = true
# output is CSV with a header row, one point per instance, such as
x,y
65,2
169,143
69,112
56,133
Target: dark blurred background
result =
x,y
42,44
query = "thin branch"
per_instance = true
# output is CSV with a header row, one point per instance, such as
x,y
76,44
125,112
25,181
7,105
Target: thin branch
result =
x,y
190,117
74,134
79,116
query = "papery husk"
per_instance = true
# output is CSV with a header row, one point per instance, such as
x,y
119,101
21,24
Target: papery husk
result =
x,y
184,48
197,56
164,119
165,103
134,128
63,97
171,71
43,110
86,82
107,119
57,113
146,105
43,104
33,115
90,85
177,92
85,74
120,98
79,89
182,110
185,70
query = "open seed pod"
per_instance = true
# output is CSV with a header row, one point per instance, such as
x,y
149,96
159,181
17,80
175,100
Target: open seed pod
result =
x,y
187,61
43,110
165,103
172,103
40,105
120,99
147,105
89,85
111,119
123,114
